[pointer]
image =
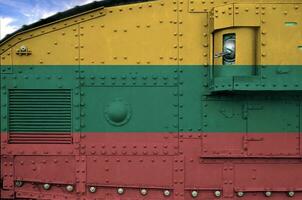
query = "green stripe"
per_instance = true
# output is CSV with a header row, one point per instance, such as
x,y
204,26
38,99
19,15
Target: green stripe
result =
x,y
262,99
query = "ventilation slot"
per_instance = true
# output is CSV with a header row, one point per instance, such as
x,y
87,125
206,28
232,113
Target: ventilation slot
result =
x,y
40,116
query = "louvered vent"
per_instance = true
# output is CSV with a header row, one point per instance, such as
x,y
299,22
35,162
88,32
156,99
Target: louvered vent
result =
x,y
40,116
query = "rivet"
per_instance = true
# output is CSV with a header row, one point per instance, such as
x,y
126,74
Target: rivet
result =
x,y
92,189
120,191
144,192
69,188
167,193
291,194
18,183
268,193
240,194
217,193
194,194
46,186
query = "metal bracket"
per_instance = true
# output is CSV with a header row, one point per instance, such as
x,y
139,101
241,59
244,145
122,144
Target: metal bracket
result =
x,y
23,51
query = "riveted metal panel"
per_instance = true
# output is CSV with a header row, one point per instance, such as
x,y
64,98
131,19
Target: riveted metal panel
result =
x,y
198,174
56,47
121,42
196,6
247,14
129,144
44,169
219,118
142,105
129,76
281,34
223,116
285,121
150,171
194,42
223,16
7,177
50,78
153,126
7,172
6,62
189,105
258,177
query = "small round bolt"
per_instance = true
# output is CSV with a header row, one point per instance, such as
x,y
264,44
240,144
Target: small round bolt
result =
x,y
120,191
144,192
46,186
194,194
268,193
291,193
167,193
23,48
18,183
69,188
240,194
217,193
92,189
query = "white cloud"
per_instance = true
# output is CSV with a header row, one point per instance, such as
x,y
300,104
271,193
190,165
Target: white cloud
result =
x,y
33,12
37,12
6,24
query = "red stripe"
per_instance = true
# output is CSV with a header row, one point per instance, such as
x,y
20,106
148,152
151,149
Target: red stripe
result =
x,y
212,144
158,161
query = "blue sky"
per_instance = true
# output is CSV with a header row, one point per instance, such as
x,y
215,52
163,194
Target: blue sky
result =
x,y
15,13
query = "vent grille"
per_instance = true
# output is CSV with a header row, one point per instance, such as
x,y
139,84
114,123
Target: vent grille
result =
x,y
40,116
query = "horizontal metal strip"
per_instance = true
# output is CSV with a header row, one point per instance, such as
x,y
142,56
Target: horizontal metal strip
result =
x,y
39,120
45,124
40,136
39,130
40,142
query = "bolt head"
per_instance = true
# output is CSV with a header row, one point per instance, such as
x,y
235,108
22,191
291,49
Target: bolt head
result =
x,y
194,194
18,183
291,194
23,48
217,193
167,193
120,191
69,188
144,192
240,194
92,189
46,186
268,194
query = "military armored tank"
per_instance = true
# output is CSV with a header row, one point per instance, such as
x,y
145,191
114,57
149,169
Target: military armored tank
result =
x,y
163,99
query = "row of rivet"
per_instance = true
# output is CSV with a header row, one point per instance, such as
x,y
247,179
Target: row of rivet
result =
x,y
46,186
93,189
144,192
121,191
195,194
